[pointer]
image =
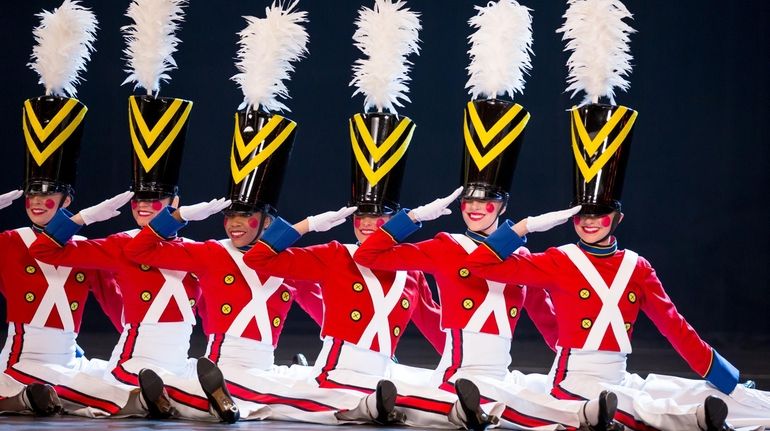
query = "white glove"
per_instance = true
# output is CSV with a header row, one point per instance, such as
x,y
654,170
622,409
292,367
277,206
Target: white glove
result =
x,y
203,210
105,210
7,198
325,221
547,221
436,208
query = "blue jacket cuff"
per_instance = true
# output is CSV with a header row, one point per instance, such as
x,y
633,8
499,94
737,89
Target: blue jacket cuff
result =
x,y
61,228
504,241
401,226
722,374
165,225
280,235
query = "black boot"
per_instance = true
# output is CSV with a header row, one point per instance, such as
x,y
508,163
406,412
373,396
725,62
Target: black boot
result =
x,y
470,401
213,384
43,399
154,394
716,414
608,406
299,359
386,404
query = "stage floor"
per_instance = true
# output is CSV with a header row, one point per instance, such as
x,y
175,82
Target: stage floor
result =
x,y
529,356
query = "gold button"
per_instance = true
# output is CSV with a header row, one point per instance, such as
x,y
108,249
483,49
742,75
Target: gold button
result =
x,y
586,323
29,296
192,302
144,267
514,312
226,309
585,293
74,305
464,272
146,296
277,322
80,277
358,287
467,303
30,269
285,296
229,279
355,315
396,331
631,297
405,303
194,277
628,326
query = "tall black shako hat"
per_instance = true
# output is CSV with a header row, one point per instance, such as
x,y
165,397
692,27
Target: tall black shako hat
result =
x,y
380,139
493,132
600,137
493,129
261,147
157,125
600,134
53,124
158,128
263,139
53,130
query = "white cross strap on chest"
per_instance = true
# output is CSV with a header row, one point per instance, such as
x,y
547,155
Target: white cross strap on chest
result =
x,y
610,315
256,309
383,305
494,301
55,294
173,288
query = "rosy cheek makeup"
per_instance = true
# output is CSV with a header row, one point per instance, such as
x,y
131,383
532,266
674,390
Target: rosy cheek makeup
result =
x,y
253,223
157,206
49,203
134,204
576,220
490,207
606,221
356,222
27,203
463,205
380,222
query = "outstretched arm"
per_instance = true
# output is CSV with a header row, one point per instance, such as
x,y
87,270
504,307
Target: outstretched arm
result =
x,y
702,358
273,255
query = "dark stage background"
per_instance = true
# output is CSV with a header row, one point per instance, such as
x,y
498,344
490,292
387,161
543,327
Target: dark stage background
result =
x,y
696,194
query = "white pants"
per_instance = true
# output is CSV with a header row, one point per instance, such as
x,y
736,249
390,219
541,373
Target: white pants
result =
x,y
48,355
275,392
657,402
344,365
484,359
162,347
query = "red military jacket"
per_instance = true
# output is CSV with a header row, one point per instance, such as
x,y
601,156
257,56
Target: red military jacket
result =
x,y
353,295
237,300
140,283
579,304
25,282
461,290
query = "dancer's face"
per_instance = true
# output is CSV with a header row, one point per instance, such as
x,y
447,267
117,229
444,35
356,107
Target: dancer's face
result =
x,y
480,215
145,210
365,225
42,207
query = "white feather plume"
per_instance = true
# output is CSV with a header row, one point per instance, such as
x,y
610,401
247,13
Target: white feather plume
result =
x,y
500,49
65,40
151,41
268,46
598,38
386,34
